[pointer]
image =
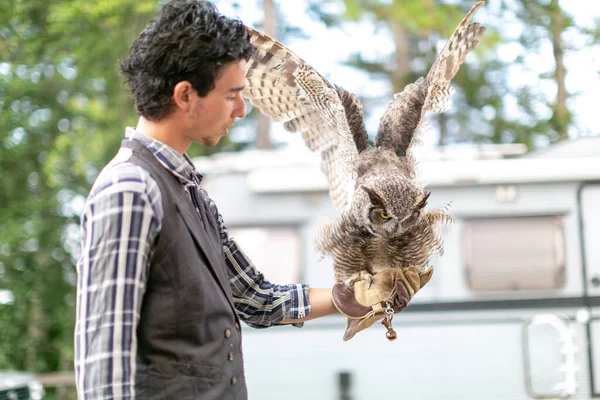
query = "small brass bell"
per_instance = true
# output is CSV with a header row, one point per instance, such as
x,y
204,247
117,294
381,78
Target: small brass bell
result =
x,y
391,333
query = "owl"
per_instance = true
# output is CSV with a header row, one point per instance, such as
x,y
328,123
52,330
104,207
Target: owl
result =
x,y
382,220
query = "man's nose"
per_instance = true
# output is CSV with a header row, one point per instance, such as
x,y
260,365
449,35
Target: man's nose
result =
x,y
240,110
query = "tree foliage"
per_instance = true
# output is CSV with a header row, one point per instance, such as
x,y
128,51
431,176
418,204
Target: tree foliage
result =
x,y
488,106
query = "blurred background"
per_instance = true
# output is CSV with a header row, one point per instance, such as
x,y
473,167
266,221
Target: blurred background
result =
x,y
532,84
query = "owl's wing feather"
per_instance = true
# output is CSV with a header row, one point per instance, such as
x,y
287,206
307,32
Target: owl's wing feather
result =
x,y
354,114
464,39
286,89
404,115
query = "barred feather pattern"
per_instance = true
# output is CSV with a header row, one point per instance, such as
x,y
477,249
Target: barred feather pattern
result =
x,y
404,117
286,89
354,115
349,244
354,241
465,38
382,220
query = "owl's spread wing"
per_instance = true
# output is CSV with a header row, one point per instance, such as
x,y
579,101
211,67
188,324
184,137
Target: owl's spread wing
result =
x,y
285,88
404,116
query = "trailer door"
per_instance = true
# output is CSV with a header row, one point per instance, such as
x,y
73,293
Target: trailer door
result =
x,y
589,201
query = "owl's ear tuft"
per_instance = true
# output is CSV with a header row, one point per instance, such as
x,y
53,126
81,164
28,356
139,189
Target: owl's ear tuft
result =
x,y
376,200
423,202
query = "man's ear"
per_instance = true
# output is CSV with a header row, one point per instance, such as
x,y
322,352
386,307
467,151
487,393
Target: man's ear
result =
x,y
182,95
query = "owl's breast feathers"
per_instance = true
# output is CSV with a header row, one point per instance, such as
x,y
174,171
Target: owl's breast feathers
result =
x,y
354,248
416,246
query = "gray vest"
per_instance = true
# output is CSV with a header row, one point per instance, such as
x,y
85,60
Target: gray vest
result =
x,y
189,336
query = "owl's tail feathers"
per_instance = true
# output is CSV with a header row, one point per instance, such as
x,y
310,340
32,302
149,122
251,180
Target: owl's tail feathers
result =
x,y
464,40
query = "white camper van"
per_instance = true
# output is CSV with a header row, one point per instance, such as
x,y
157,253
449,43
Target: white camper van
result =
x,y
512,311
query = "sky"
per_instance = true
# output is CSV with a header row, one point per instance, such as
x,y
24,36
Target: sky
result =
x,y
327,48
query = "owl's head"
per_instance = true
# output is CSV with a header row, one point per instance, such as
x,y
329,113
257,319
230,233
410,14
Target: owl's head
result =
x,y
393,206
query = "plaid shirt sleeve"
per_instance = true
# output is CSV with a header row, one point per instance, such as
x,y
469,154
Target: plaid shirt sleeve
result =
x,y
258,302
120,222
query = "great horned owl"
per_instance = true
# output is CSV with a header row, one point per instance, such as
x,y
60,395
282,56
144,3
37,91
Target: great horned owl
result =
x,y
382,220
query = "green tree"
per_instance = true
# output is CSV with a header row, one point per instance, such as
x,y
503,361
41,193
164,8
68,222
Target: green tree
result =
x,y
488,105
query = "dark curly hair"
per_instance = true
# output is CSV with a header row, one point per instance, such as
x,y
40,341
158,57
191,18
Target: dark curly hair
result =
x,y
185,41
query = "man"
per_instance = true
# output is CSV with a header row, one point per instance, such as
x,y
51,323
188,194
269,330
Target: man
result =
x,y
161,285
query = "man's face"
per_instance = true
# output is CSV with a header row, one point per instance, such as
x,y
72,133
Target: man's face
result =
x,y
212,116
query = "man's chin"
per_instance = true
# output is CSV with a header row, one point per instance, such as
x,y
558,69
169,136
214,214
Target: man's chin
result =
x,y
212,142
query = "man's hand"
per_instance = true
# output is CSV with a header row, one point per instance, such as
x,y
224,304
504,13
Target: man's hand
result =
x,y
368,300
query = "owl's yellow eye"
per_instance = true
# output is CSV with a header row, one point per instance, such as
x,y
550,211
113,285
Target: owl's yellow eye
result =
x,y
384,216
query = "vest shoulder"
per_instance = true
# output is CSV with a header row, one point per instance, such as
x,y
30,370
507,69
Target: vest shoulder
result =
x,y
122,175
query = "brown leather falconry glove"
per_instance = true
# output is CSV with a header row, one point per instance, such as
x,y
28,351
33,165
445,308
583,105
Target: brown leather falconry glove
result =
x,y
387,292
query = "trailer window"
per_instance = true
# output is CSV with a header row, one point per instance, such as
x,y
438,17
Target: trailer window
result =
x,y
524,253
275,251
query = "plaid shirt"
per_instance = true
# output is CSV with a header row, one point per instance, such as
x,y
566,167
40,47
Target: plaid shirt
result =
x,y
120,224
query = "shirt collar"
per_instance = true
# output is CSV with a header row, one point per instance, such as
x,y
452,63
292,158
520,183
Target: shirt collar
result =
x,y
179,165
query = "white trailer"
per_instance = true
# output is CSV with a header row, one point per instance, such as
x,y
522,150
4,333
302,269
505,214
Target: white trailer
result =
x,y
512,311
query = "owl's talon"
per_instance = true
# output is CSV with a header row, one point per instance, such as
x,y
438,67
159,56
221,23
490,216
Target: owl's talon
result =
x,y
350,281
359,276
364,275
